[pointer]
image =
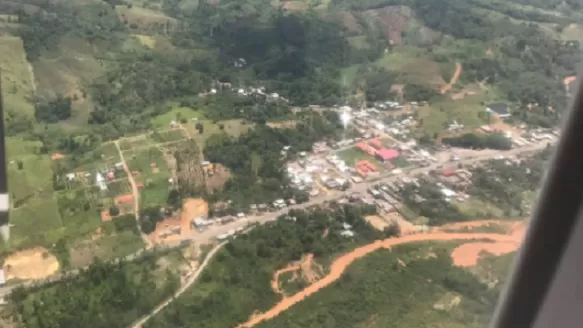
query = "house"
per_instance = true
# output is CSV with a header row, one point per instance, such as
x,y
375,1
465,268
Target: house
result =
x,y
387,154
347,233
2,277
499,109
100,182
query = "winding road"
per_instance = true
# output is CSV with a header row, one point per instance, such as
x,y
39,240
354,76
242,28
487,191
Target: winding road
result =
x,y
182,289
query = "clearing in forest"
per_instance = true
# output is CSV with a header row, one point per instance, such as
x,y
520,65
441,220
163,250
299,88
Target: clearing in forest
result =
x,y
34,263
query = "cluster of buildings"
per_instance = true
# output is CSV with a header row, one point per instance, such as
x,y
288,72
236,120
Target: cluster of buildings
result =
x,y
523,138
100,176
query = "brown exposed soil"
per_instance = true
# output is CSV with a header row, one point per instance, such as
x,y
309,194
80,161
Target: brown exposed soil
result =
x,y
377,222
216,176
290,124
34,263
191,208
304,265
454,79
500,244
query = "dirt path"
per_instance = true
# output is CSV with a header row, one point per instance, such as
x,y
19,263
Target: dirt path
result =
x,y
182,289
135,193
290,268
456,75
340,265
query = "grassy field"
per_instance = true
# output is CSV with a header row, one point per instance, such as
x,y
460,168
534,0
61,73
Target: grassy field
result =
x,y
167,136
142,17
177,112
16,147
479,209
17,80
34,222
411,67
155,190
353,155
142,160
34,178
469,111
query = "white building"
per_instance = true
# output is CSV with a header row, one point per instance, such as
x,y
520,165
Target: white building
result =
x,y
100,182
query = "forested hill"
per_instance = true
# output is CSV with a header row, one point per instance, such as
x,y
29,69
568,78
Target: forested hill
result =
x,y
122,61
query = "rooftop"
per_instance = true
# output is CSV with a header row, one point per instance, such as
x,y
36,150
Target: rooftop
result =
x,y
388,154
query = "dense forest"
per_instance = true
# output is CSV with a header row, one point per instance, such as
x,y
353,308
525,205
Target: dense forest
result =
x,y
236,282
104,295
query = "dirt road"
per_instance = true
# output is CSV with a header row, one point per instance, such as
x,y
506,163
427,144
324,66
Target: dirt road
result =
x,y
135,193
456,75
182,289
340,265
290,268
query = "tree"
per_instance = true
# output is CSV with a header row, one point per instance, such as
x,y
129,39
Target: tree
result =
x,y
113,211
53,111
418,92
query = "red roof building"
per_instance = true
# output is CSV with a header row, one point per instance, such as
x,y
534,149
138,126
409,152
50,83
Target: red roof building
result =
x,y
124,199
447,172
387,154
376,143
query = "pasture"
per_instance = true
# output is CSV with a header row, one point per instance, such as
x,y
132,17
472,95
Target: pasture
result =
x,y
17,78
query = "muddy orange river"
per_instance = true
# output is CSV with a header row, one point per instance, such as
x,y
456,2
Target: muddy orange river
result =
x,y
500,244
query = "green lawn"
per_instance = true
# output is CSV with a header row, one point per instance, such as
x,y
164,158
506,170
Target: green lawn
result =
x,y
17,83
353,155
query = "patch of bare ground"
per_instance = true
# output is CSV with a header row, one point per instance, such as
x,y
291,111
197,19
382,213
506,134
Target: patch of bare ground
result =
x,y
30,264
290,124
394,20
216,176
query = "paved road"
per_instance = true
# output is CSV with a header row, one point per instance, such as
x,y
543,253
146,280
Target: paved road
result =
x,y
214,231
182,289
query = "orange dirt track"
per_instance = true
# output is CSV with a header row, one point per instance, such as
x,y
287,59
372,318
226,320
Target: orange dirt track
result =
x,y
509,243
289,268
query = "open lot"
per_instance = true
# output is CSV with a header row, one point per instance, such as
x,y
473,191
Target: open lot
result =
x,y
167,135
142,17
17,78
353,155
35,263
